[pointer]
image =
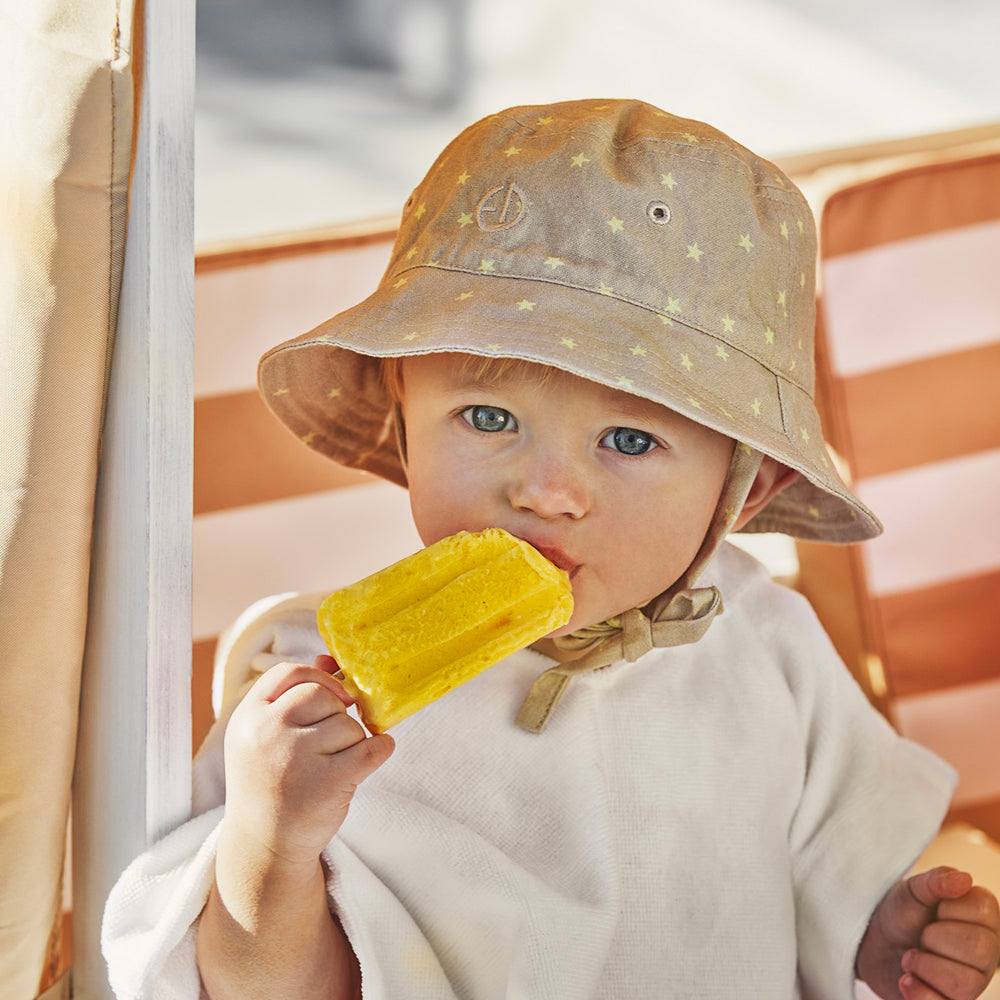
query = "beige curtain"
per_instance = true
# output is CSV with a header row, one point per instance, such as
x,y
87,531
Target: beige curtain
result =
x,y
65,140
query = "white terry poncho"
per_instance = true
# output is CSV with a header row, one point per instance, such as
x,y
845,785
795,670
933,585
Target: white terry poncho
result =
x,y
713,821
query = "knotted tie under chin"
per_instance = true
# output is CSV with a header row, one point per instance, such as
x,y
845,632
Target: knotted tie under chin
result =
x,y
626,637
679,616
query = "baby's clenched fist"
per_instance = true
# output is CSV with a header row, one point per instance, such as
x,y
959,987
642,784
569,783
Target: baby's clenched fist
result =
x,y
294,758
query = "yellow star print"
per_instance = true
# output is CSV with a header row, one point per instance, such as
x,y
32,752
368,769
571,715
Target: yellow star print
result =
x,y
308,438
694,402
784,230
554,262
511,151
604,289
665,320
463,296
745,242
728,324
524,304
756,407
333,394
805,435
668,180
694,253
616,224
687,362
568,342
721,352
421,209
639,351
782,297
689,137
411,253
625,383
400,283
673,305
544,121
465,219
281,392
579,160
769,335
486,266
463,177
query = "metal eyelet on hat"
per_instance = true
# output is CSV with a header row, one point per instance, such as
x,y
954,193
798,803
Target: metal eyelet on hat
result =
x,y
658,212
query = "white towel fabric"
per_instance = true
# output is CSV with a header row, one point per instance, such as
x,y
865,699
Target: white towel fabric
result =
x,y
712,821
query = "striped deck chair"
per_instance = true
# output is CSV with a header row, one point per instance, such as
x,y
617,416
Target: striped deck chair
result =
x,y
908,360
271,516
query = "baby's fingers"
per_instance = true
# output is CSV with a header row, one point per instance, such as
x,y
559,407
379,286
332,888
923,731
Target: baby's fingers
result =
x,y
308,703
928,976
283,677
967,944
977,906
367,755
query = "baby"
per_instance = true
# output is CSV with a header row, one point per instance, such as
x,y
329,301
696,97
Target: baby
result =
x,y
595,332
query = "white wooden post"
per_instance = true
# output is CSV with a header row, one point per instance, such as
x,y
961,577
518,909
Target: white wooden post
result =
x,y
133,763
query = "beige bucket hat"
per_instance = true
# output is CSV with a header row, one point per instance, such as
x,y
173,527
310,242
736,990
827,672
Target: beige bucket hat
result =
x,y
612,240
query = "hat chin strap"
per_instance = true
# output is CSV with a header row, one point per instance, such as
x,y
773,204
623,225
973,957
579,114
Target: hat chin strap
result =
x,y
680,615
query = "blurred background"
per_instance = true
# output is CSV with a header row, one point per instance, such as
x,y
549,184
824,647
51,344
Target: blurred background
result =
x,y
313,112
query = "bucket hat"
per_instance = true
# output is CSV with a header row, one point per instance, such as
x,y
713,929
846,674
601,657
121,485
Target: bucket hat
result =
x,y
610,239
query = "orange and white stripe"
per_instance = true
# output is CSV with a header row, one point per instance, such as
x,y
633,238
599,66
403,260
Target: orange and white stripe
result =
x,y
911,335
271,515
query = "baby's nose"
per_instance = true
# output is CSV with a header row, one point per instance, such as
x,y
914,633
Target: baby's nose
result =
x,y
550,487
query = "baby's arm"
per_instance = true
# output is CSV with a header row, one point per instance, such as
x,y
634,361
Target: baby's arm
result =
x,y
293,760
934,935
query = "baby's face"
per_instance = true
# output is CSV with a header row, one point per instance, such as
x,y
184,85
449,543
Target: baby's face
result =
x,y
617,490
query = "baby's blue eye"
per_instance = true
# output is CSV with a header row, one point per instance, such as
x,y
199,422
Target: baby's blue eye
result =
x,y
489,418
629,441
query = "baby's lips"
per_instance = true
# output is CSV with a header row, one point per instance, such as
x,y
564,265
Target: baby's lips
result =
x,y
557,557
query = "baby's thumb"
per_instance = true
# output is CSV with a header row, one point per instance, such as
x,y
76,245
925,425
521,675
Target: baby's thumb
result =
x,y
930,887
326,663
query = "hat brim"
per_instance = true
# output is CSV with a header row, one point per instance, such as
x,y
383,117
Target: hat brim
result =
x,y
326,388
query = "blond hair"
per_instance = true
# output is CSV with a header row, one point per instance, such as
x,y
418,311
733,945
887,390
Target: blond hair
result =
x,y
474,366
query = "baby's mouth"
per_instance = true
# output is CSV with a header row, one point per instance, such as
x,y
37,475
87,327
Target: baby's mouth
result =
x,y
557,557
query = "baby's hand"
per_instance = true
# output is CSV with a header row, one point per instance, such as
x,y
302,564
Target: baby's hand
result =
x,y
934,936
294,758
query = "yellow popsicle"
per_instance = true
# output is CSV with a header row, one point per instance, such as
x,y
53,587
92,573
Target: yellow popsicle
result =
x,y
416,630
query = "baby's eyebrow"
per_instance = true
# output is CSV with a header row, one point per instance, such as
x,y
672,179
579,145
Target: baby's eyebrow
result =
x,y
628,407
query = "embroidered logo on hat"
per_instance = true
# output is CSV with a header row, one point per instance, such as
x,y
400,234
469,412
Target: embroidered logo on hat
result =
x,y
502,207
